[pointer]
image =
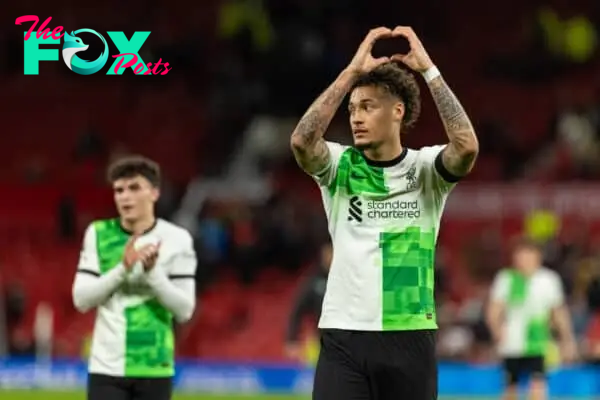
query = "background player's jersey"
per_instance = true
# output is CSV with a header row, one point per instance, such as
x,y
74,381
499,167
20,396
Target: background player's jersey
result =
x,y
528,304
133,332
383,220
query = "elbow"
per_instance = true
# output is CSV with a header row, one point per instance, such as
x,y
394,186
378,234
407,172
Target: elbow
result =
x,y
470,148
297,143
186,313
79,301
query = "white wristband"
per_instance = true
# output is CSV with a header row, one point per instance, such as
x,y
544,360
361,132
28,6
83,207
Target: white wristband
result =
x,y
431,74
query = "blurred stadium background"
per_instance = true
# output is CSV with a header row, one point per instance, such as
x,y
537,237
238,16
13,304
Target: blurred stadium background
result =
x,y
219,123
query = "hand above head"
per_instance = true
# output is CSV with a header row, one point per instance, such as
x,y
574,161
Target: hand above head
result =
x,y
417,58
363,61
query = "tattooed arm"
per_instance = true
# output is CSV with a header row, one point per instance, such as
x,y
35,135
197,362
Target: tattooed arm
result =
x,y
460,154
310,150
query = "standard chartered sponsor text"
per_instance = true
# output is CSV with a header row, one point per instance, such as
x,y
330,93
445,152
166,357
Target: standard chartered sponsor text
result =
x,y
393,209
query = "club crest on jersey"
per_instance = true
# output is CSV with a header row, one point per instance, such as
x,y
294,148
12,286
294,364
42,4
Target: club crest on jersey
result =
x,y
411,177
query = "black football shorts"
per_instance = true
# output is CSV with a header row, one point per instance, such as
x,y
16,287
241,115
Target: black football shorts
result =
x,y
376,366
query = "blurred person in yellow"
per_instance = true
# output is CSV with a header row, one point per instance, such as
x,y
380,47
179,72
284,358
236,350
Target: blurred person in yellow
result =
x,y
541,225
308,302
524,302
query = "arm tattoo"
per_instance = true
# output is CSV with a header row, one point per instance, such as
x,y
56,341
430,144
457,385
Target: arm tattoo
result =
x,y
308,145
459,156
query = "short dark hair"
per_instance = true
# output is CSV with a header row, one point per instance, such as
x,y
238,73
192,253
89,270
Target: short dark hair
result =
x,y
132,166
525,242
399,83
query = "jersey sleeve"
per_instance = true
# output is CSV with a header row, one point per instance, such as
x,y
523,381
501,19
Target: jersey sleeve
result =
x,y
177,290
440,179
184,263
327,176
499,289
556,291
90,289
88,257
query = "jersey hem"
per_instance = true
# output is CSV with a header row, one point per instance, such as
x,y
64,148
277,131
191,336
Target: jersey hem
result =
x,y
138,374
370,328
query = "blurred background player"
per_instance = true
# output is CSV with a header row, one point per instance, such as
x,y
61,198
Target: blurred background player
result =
x,y
384,203
308,302
524,301
139,272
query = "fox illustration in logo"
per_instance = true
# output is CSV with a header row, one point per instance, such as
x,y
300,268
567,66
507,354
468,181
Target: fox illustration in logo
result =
x,y
73,45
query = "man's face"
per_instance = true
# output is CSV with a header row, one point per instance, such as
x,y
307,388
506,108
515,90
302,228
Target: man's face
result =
x,y
134,197
527,259
375,116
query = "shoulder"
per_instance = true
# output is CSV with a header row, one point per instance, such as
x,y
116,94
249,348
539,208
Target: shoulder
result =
x,y
337,149
177,235
427,154
104,224
100,225
504,272
550,275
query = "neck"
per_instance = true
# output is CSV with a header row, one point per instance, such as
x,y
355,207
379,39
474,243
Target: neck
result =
x,y
528,271
384,152
138,226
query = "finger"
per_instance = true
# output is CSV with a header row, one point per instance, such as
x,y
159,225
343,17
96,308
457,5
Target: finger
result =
x,y
376,34
149,248
406,32
131,241
400,58
381,60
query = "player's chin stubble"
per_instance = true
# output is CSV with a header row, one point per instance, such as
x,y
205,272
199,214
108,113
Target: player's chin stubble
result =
x,y
363,145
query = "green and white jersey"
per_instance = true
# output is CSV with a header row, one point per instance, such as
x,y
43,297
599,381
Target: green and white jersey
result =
x,y
384,219
133,332
528,303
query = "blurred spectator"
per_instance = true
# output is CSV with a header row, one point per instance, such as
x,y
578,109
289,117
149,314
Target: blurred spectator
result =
x,y
21,344
308,302
15,303
67,218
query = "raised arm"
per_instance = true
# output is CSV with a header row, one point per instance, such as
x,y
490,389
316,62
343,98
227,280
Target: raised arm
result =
x,y
460,154
307,142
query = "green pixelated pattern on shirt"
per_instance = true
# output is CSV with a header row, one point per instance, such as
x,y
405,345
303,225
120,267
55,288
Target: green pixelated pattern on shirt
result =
x,y
408,279
150,344
110,243
518,287
149,339
355,176
537,331
537,337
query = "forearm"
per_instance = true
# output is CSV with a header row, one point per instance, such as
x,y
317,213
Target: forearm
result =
x,y
90,291
562,320
180,299
459,156
293,329
494,321
307,142
298,311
